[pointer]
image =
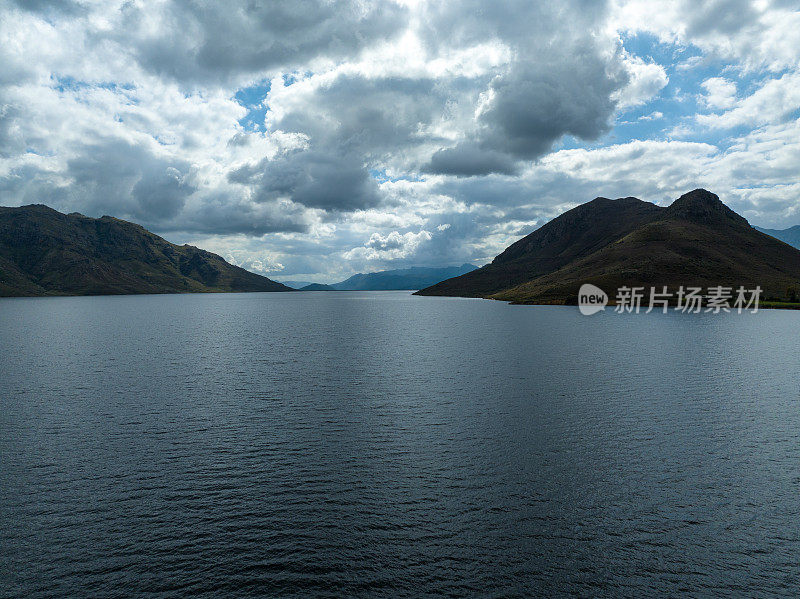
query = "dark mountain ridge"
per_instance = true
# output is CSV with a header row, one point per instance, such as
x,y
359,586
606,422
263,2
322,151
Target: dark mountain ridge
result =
x,y
697,241
45,252
415,277
790,235
576,233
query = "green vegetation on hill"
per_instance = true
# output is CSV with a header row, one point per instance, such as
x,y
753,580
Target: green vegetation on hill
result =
x,y
697,241
573,235
45,252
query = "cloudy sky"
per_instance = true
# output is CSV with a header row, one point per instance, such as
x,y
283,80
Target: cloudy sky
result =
x,y
311,139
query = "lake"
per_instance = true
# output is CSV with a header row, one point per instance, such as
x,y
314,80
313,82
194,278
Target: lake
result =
x,y
378,443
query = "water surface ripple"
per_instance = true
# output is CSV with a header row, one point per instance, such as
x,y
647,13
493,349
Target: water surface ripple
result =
x,y
380,444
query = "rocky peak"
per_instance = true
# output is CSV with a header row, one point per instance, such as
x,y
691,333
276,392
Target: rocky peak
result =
x,y
705,207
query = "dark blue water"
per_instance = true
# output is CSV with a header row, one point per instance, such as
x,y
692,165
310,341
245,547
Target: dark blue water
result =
x,y
380,444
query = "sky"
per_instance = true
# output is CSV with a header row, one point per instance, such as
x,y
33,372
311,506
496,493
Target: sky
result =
x,y
313,139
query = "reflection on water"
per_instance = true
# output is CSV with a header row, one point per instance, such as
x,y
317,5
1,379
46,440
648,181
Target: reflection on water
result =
x,y
359,443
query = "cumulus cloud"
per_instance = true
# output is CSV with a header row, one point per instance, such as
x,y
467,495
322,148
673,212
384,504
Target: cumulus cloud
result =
x,y
346,124
262,262
770,103
51,6
394,246
315,179
200,42
645,80
751,34
561,81
536,104
720,93
469,160
323,137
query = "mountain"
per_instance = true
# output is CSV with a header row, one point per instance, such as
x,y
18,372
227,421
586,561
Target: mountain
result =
x,y
697,241
416,277
790,235
573,235
297,284
45,252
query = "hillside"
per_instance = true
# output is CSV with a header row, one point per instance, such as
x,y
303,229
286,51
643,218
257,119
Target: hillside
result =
x,y
45,252
790,235
573,235
296,284
416,277
697,241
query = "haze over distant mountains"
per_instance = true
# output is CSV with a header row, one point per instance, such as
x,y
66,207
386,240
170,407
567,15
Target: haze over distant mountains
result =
x,y
296,284
697,241
416,277
45,252
790,235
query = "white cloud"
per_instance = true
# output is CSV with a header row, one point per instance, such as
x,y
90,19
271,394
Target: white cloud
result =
x,y
257,262
770,103
646,79
754,35
394,246
653,116
720,93
394,134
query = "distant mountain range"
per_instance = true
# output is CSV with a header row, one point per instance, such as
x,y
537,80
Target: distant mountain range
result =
x,y
697,241
45,252
296,284
790,235
416,277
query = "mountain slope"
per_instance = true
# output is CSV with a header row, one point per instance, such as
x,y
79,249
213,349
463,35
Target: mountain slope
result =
x,y
697,241
416,277
790,235
576,233
45,252
296,284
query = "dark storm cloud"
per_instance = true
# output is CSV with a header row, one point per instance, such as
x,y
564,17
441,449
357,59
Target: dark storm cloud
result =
x,y
469,160
130,181
724,17
125,182
533,106
561,81
521,23
372,115
533,195
202,41
536,104
116,175
161,193
227,215
313,179
352,124
64,7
